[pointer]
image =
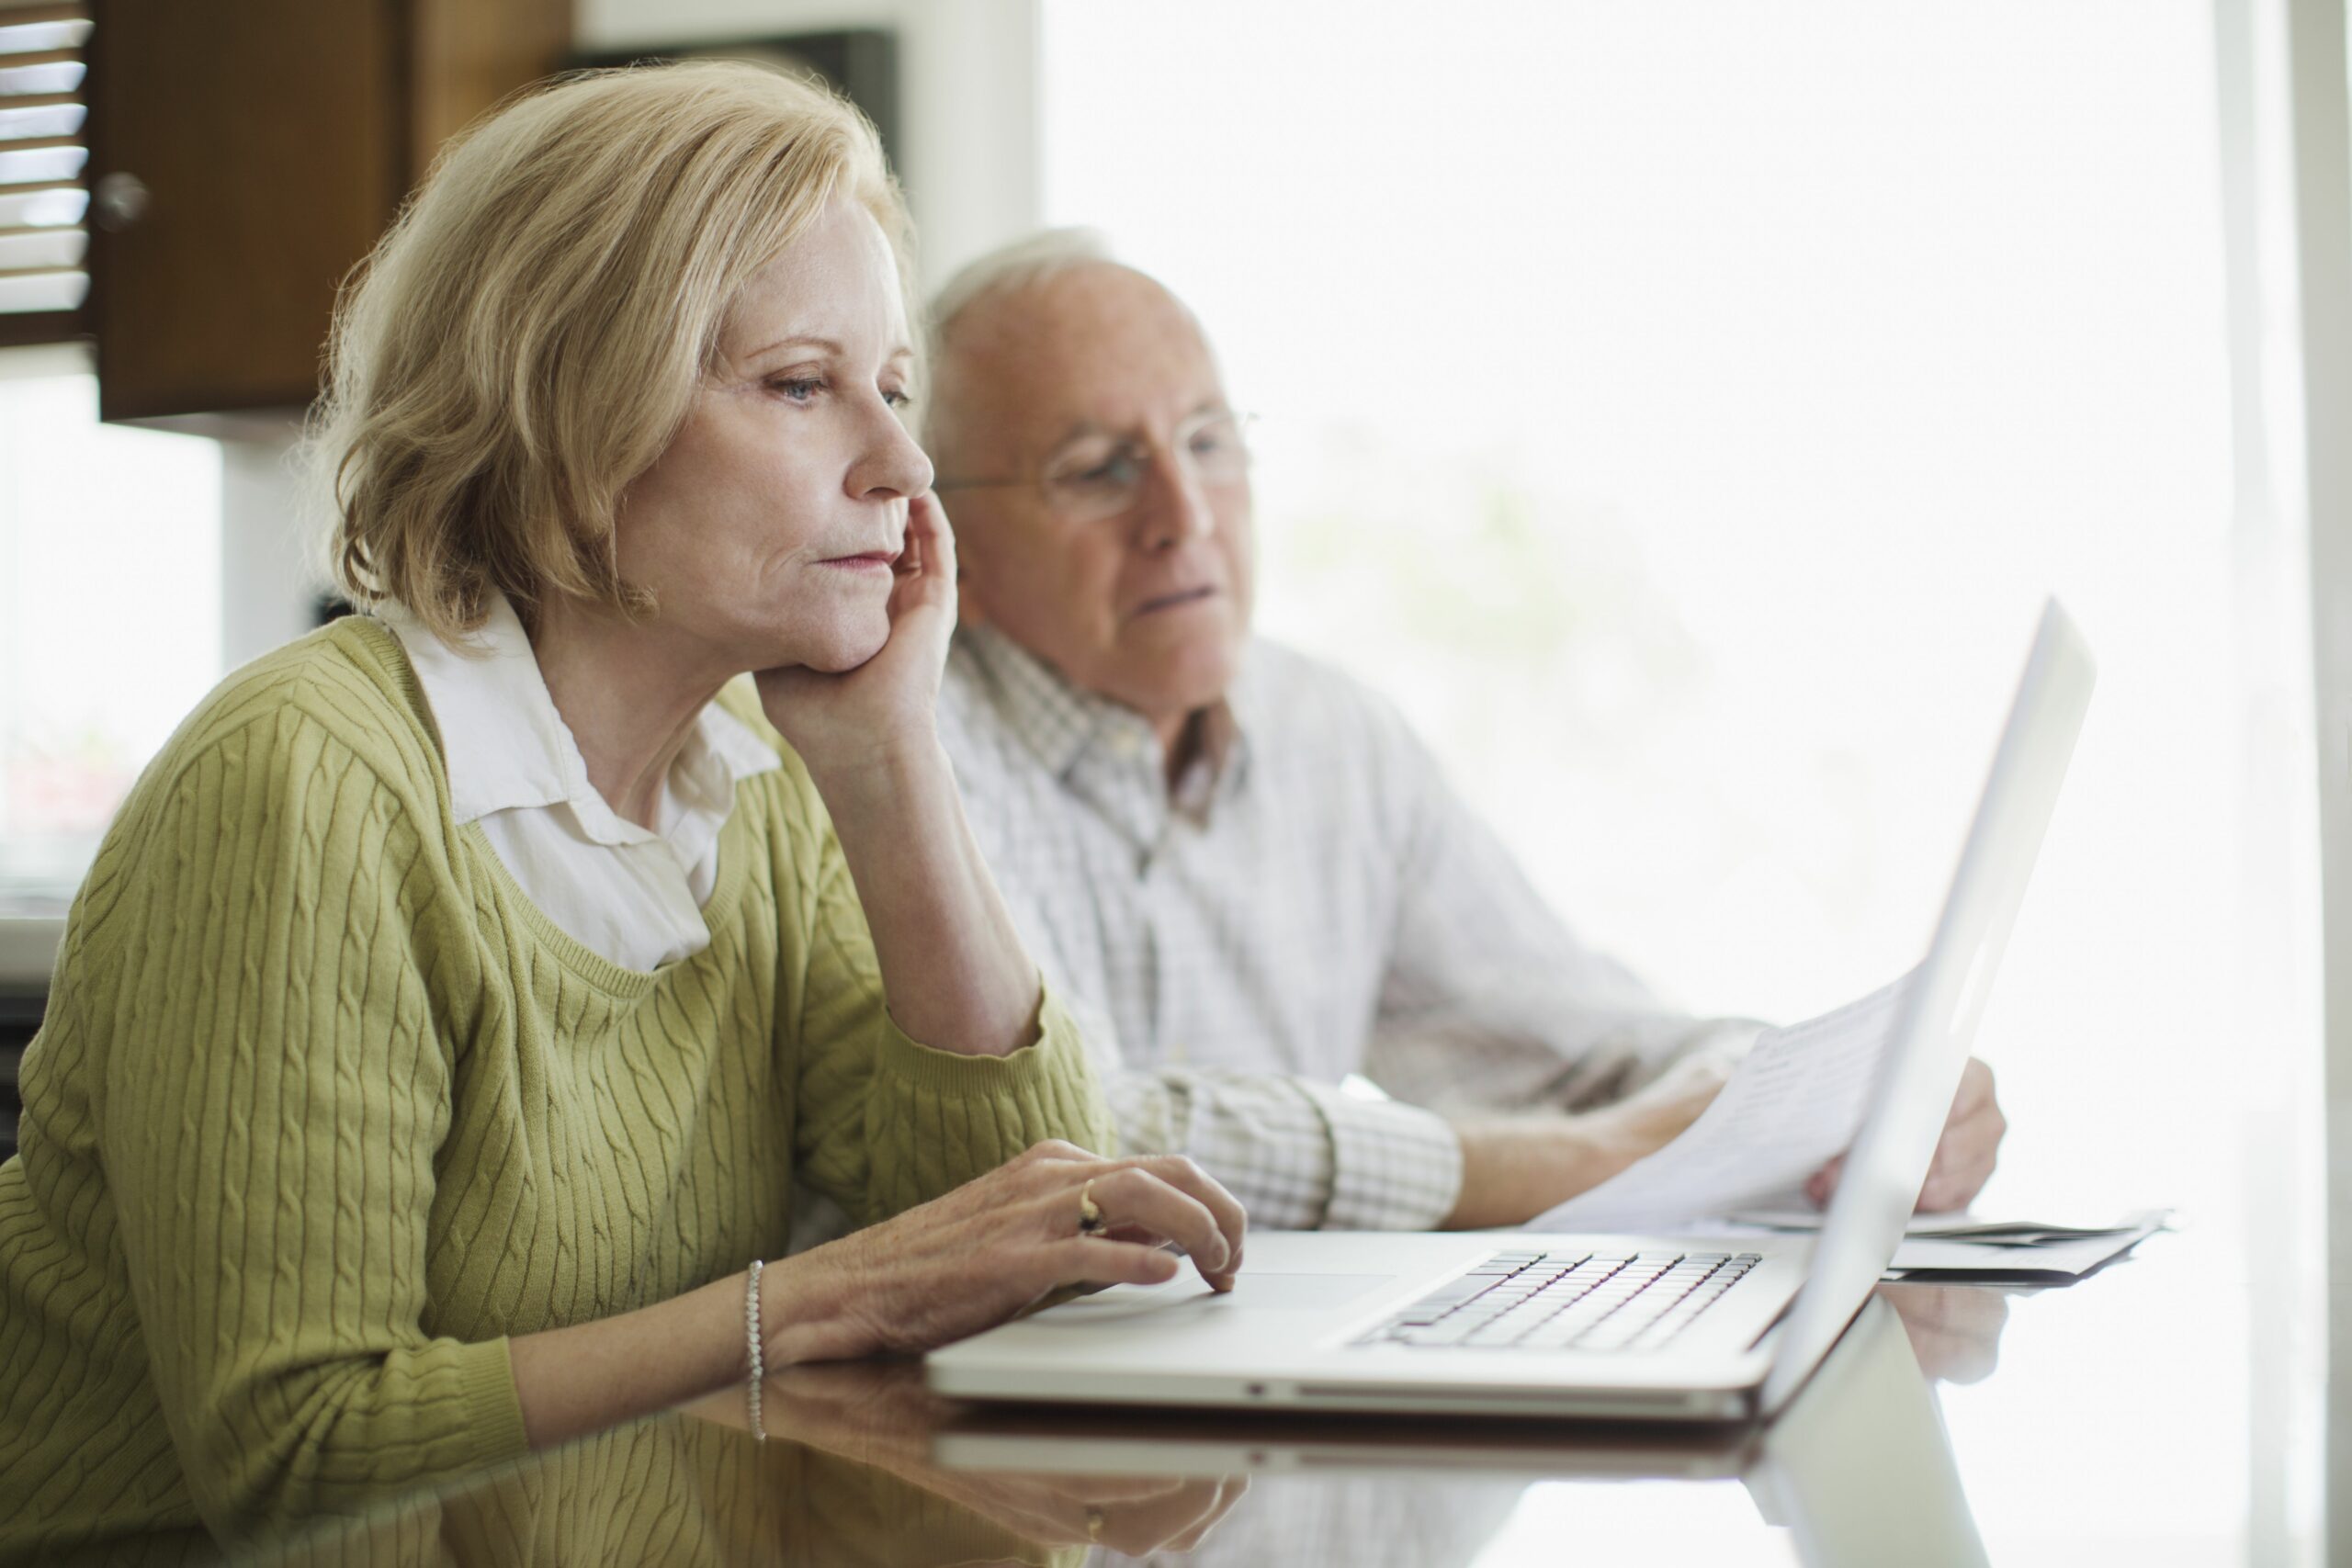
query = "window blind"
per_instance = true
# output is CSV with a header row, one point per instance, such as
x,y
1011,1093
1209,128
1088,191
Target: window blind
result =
x,y
44,193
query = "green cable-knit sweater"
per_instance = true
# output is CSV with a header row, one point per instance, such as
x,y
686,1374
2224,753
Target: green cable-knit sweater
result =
x,y
324,1110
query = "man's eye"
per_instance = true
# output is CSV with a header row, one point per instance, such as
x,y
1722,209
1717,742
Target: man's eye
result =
x,y
1117,469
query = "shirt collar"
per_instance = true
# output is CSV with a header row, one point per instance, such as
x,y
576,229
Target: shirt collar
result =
x,y
1059,722
505,746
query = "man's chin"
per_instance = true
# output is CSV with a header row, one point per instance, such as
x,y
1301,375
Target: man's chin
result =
x,y
1198,680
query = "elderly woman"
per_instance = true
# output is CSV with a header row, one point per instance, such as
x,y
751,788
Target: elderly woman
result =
x,y
439,1038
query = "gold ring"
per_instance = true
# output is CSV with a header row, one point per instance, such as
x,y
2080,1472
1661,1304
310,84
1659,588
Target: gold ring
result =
x,y
1089,1213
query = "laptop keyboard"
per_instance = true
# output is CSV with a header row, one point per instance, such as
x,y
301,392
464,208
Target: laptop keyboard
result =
x,y
1567,1301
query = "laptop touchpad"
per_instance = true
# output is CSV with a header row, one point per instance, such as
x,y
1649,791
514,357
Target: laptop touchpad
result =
x,y
1190,1298
1304,1290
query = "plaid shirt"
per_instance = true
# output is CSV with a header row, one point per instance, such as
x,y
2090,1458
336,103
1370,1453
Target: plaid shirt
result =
x,y
1312,901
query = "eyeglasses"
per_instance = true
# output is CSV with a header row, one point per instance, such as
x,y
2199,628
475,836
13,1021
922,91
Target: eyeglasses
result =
x,y
1097,478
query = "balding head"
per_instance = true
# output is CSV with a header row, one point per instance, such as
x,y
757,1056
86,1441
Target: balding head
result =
x,y
1089,461
981,323
1006,270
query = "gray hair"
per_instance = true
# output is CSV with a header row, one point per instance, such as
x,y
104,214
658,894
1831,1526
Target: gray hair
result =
x,y
1040,256
1024,264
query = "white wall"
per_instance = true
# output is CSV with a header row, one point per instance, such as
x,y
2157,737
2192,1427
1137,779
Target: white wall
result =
x,y
968,97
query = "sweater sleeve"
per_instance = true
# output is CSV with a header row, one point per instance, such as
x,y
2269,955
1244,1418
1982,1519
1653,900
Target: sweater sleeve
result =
x,y
274,1091
884,1122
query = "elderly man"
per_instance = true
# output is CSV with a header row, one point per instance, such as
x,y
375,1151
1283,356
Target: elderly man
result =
x,y
1245,862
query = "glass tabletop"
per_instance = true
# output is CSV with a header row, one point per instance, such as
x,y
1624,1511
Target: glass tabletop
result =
x,y
1953,1423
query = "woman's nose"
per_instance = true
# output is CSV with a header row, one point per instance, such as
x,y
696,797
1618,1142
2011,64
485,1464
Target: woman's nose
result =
x,y
893,466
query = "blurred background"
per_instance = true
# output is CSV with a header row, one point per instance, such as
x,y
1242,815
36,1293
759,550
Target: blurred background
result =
x,y
1682,410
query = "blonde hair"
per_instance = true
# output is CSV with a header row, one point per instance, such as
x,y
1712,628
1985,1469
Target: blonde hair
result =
x,y
528,335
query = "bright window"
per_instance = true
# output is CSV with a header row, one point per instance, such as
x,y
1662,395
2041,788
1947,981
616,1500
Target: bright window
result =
x,y
109,611
1682,410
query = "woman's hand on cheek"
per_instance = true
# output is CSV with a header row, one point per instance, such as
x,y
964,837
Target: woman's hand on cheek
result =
x,y
875,713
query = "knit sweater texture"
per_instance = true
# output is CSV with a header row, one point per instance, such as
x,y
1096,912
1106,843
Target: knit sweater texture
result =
x,y
324,1110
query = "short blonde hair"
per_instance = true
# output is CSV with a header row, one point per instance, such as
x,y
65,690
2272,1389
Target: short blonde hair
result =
x,y
528,335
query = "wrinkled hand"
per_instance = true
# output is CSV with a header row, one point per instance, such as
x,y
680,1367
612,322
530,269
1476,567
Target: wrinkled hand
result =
x,y
1647,1121
1516,1168
996,1245
889,700
1965,1154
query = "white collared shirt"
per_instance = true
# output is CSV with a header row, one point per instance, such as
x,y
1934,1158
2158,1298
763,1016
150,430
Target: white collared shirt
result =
x,y
1316,902
631,896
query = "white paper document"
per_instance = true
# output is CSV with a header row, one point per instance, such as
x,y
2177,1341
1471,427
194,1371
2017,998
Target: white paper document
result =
x,y
1791,1106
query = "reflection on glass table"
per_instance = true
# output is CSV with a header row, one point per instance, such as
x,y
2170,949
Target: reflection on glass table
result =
x,y
878,1469
1857,1469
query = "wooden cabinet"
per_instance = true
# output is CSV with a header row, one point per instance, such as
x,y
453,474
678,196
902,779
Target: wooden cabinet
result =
x,y
245,154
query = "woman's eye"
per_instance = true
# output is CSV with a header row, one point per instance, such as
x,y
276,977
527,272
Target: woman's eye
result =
x,y
897,400
799,389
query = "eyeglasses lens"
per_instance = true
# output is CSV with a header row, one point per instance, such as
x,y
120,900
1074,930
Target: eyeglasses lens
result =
x,y
1097,480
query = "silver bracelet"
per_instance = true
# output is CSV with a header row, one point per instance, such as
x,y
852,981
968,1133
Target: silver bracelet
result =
x,y
751,1338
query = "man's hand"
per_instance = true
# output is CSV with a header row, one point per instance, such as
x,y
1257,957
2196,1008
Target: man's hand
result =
x,y
1515,1168
1965,1154
1955,1329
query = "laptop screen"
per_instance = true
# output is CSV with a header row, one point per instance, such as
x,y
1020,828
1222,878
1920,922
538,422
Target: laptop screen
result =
x,y
1920,1071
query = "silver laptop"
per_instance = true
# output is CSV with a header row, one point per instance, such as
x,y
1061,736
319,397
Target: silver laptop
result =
x,y
1857,1468
1536,1324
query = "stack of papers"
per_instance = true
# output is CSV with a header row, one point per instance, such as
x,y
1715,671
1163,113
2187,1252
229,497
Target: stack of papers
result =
x,y
1794,1103
1950,1245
